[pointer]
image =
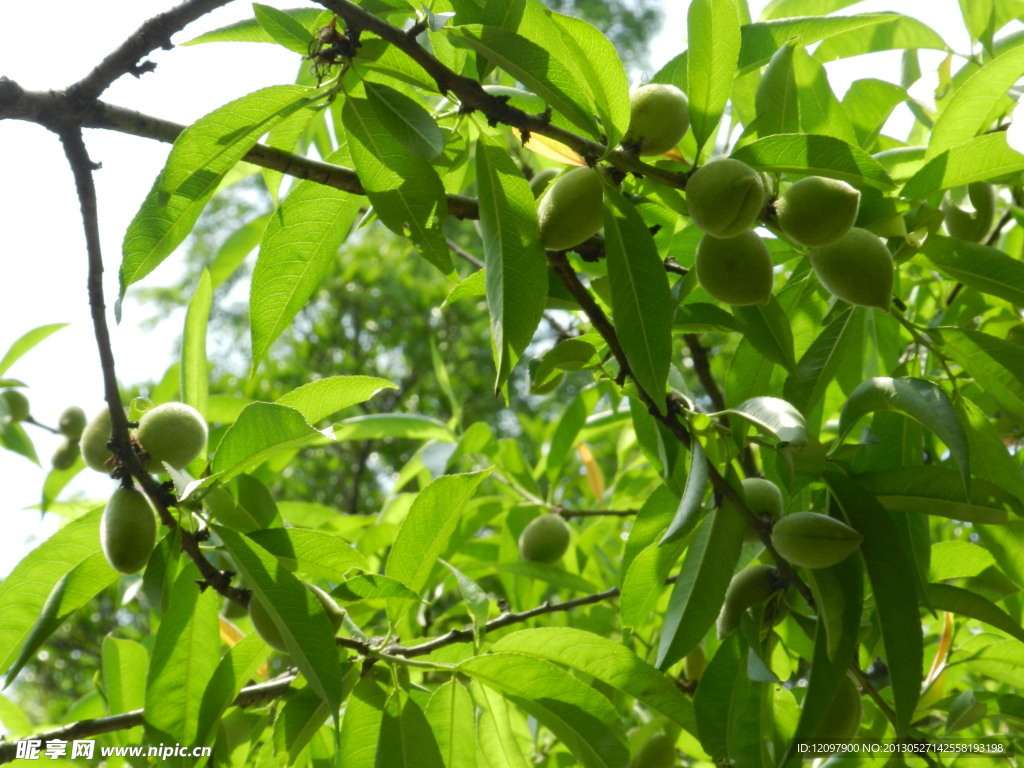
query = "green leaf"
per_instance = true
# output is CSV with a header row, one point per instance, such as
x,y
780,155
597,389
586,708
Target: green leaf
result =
x,y
981,159
713,29
25,590
25,342
406,740
767,328
325,397
713,698
185,655
75,589
195,382
762,39
499,745
576,713
405,190
315,553
996,365
774,416
250,30
452,718
298,719
978,266
896,33
818,366
261,430
284,28
888,566
924,401
964,602
371,586
958,560
603,74
966,114
868,103
360,727
515,268
201,155
607,661
815,155
699,592
939,491
777,99
234,670
781,9
407,426
427,528
124,665
297,614
299,245
235,248
642,303
407,120
688,512
542,70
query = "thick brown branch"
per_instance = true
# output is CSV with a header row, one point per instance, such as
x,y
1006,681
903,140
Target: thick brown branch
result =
x,y
154,33
55,110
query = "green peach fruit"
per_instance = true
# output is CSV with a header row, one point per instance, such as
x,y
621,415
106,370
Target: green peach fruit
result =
x,y
94,441
817,211
541,179
66,455
128,530
267,629
764,499
694,664
725,197
856,268
751,586
17,404
814,540
844,714
735,270
72,423
658,118
544,540
174,433
571,210
659,751
968,225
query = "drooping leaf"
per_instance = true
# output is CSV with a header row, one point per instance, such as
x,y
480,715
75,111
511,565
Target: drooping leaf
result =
x,y
316,553
964,602
981,159
815,155
516,270
583,719
920,399
642,303
452,718
201,155
25,342
360,727
284,28
995,364
250,30
499,744
819,364
978,266
406,740
688,512
195,381
767,329
699,591
407,120
234,670
713,29
774,416
888,565
939,491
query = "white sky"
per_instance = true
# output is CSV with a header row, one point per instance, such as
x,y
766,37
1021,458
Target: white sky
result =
x,y
42,250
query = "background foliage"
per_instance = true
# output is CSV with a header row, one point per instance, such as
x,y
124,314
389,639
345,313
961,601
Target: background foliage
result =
x,y
398,379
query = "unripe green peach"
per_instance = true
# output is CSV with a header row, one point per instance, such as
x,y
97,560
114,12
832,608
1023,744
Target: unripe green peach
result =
x,y
751,586
725,197
658,118
94,441
541,179
817,210
814,540
735,270
970,225
66,455
571,210
544,540
17,404
694,664
856,268
844,714
659,751
128,530
173,432
72,423
267,629
764,499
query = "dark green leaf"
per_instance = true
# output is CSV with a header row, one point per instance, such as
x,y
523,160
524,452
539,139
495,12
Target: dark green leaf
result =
x,y
939,491
815,155
407,120
767,328
688,512
980,267
964,602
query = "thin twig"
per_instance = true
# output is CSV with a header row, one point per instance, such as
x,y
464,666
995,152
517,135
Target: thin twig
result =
x,y
567,513
154,33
